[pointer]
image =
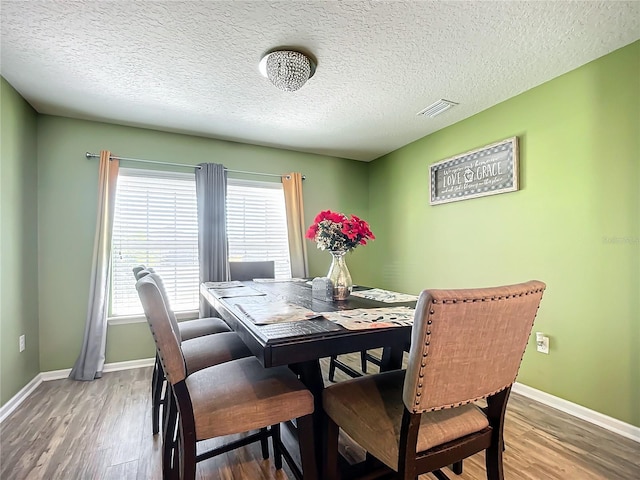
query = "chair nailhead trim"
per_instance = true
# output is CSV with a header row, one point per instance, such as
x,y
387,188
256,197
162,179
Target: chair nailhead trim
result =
x,y
423,364
488,299
466,402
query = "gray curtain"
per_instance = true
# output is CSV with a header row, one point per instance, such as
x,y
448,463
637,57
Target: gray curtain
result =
x,y
90,363
211,191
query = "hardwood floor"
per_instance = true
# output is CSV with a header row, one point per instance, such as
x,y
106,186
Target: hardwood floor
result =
x,y
102,430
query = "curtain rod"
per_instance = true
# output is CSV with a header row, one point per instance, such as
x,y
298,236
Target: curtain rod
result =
x,y
95,155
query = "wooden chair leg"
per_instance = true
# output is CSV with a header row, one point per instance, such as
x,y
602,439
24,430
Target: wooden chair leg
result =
x,y
154,376
493,462
363,361
496,410
170,417
157,384
173,473
167,460
332,369
264,443
170,466
277,444
165,388
187,454
330,461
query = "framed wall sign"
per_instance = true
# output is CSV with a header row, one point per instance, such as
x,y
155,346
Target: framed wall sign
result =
x,y
486,171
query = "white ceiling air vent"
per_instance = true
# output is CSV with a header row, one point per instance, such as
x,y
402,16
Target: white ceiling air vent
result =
x,y
437,108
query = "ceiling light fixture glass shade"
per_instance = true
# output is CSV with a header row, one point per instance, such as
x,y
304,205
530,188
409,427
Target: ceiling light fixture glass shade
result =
x,y
287,69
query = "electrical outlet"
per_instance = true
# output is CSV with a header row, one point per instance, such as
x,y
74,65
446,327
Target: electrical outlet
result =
x,y
542,344
21,342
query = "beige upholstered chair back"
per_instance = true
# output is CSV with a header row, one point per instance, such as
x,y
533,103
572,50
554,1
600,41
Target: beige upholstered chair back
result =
x,y
468,344
163,333
163,291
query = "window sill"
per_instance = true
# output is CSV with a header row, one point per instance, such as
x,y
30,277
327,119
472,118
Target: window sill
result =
x,y
126,319
129,319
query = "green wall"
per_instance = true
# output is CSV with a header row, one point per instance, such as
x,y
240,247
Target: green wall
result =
x,y
67,205
18,243
573,224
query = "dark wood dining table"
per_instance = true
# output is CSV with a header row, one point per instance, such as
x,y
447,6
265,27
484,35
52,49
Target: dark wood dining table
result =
x,y
301,344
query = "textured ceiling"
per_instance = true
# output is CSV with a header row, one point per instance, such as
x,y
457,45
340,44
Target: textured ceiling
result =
x,y
192,66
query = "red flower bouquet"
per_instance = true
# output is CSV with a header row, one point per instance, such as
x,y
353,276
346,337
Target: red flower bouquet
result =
x,y
334,231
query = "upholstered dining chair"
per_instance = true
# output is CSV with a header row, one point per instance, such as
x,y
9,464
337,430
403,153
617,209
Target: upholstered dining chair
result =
x,y
244,271
206,342
466,345
200,352
229,398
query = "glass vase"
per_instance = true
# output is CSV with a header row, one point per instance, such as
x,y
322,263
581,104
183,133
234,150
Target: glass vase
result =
x,y
339,276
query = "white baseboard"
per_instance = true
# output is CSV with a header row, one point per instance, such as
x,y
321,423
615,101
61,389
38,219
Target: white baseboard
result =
x,y
609,423
19,397
129,364
108,367
55,375
22,395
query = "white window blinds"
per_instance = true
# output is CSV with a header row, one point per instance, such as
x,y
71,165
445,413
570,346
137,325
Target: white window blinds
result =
x,y
155,224
257,224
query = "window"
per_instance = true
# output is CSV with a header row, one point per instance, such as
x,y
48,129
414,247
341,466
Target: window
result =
x,y
155,224
257,224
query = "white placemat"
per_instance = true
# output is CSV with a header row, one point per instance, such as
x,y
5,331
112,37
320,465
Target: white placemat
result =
x,y
278,280
386,296
216,285
275,312
364,318
231,291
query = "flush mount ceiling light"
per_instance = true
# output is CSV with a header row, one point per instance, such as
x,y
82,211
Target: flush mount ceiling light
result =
x,y
287,69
